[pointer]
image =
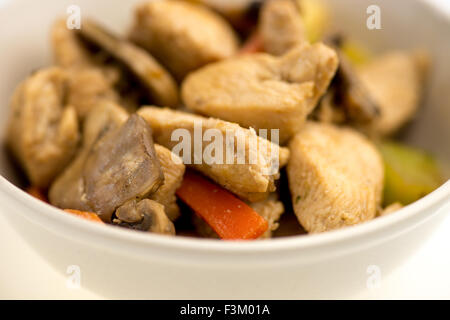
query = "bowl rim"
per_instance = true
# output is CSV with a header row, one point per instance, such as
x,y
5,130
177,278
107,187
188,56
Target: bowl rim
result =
x,y
439,197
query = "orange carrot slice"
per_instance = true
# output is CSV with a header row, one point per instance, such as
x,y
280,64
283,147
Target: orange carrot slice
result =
x,y
229,217
85,215
37,193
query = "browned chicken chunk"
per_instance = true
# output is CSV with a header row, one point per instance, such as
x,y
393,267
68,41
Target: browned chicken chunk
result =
x,y
262,91
335,177
271,210
250,180
87,88
173,171
43,129
68,51
183,36
281,26
348,99
145,215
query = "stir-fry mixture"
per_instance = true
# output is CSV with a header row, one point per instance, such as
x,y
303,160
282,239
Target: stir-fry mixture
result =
x,y
226,122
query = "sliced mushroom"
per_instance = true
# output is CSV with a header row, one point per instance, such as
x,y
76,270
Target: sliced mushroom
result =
x,y
150,75
348,97
335,177
145,215
119,166
262,91
281,26
352,94
251,180
68,190
183,36
43,128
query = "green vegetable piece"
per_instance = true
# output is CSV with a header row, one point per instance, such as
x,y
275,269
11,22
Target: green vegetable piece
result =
x,y
410,173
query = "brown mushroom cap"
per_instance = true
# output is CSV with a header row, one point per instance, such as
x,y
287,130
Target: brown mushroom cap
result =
x,y
154,79
145,215
123,165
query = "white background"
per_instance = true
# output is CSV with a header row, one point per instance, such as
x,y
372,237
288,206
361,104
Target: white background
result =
x,y
426,275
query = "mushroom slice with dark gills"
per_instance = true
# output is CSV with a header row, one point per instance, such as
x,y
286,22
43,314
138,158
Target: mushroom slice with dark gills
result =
x,y
349,94
43,129
145,215
68,191
159,85
120,165
262,91
348,99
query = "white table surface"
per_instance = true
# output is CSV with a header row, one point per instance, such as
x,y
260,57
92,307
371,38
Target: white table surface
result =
x,y
25,275
426,275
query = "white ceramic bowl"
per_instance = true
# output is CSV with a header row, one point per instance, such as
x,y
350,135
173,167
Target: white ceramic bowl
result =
x,y
119,263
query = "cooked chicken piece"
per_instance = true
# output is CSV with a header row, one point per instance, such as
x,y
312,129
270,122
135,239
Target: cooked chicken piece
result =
x,y
335,177
183,36
119,166
252,179
145,215
395,81
262,91
270,209
390,209
87,87
158,83
68,51
173,171
43,129
281,26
